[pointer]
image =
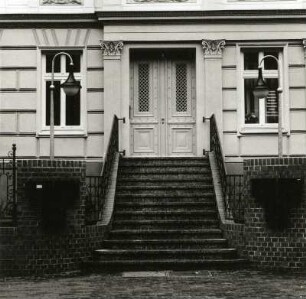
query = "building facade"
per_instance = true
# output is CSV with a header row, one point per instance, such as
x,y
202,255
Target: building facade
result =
x,y
165,66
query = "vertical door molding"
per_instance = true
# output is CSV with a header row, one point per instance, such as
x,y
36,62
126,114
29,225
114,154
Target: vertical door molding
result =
x,y
213,79
112,51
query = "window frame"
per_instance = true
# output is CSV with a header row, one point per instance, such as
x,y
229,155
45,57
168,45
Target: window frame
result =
x,y
263,127
61,76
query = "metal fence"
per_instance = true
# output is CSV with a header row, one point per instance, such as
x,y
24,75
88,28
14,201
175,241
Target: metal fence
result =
x,y
235,200
231,185
8,176
97,186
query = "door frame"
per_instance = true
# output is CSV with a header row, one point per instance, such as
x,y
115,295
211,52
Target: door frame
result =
x,y
202,129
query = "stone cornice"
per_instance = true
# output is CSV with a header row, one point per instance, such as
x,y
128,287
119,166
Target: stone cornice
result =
x,y
111,48
213,47
214,16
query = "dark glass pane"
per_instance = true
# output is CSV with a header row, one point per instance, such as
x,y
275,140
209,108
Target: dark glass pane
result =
x,y
269,62
250,60
76,57
181,88
272,102
57,103
251,104
73,110
57,63
143,87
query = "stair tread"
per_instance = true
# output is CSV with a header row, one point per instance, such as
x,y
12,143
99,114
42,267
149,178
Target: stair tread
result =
x,y
167,221
180,250
148,231
163,204
172,260
165,212
165,197
158,187
161,179
221,240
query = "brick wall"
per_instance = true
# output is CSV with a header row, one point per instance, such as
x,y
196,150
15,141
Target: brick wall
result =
x,y
234,233
266,245
32,249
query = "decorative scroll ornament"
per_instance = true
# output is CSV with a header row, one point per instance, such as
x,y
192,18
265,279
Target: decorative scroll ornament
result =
x,y
110,48
213,47
62,2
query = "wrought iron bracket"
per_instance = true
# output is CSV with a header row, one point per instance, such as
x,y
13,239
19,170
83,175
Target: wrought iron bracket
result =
x,y
123,119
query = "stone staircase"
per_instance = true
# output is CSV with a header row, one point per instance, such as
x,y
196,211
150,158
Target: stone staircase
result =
x,y
165,218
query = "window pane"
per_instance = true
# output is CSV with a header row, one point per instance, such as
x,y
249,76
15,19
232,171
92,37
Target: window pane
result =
x,y
181,87
76,62
269,62
57,103
143,87
73,110
250,103
250,60
57,63
272,102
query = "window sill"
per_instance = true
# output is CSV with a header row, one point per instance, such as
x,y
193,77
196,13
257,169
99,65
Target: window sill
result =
x,y
260,130
62,133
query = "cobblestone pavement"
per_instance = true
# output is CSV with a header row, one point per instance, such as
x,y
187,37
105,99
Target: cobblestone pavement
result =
x,y
148,285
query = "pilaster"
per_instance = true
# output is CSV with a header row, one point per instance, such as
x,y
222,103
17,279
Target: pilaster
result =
x,y
112,83
213,79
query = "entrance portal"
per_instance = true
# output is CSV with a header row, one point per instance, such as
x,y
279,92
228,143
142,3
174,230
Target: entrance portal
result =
x,y
162,107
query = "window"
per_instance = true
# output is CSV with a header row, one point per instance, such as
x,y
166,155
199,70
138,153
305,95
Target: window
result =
x,y
67,109
260,112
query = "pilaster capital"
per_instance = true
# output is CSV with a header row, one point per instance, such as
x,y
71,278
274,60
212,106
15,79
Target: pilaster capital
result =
x,y
213,48
111,48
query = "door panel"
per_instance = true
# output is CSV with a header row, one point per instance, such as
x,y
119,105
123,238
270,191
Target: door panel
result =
x,y
162,108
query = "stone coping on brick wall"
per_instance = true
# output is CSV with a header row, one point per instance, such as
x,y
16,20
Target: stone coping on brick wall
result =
x,y
274,161
50,163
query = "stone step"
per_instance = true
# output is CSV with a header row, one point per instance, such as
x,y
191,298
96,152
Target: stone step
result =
x,y
163,162
174,170
164,206
123,254
161,179
165,234
136,193
165,215
163,264
167,187
165,244
172,197
203,223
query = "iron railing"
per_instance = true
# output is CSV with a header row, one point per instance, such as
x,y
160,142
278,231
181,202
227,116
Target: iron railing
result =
x,y
231,185
97,186
234,197
215,146
8,176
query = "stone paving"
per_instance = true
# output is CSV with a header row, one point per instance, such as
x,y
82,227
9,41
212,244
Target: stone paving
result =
x,y
148,285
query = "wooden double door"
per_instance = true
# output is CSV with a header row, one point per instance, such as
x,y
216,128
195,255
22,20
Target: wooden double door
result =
x,y
162,107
